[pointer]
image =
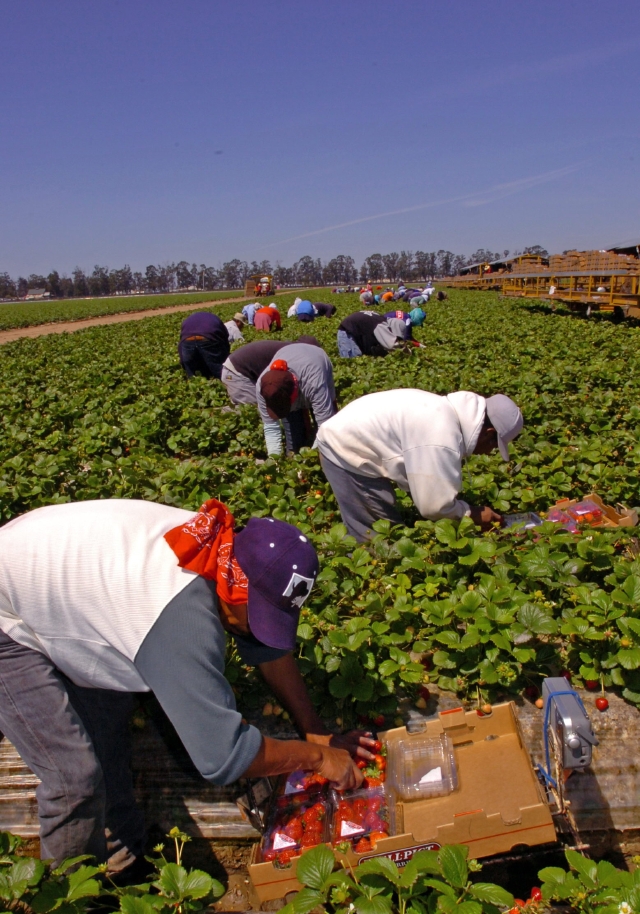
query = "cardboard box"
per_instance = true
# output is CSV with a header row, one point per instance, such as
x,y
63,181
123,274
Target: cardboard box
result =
x,y
626,517
499,804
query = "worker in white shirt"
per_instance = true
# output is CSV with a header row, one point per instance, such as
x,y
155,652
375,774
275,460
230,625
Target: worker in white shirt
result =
x,y
235,327
416,441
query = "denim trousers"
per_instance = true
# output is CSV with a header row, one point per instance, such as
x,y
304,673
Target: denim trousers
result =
x,y
362,499
77,741
347,346
204,356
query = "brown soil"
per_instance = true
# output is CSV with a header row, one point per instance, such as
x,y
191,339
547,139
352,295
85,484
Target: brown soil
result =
x,y
17,333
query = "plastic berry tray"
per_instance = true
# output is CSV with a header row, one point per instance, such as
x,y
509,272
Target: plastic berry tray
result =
x,y
295,822
360,818
303,782
422,766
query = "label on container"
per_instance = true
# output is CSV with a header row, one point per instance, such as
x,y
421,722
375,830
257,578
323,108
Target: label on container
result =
x,y
404,855
347,829
432,777
280,840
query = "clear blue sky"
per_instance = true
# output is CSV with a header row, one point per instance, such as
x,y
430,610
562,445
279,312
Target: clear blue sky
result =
x,y
144,132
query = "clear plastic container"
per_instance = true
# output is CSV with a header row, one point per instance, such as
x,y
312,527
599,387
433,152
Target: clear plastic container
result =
x,y
526,520
295,823
558,516
303,782
360,819
587,512
422,766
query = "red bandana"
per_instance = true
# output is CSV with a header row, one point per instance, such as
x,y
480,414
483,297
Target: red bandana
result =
x,y
204,545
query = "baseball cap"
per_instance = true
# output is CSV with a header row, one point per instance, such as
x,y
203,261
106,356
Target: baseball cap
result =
x,y
239,317
281,566
278,386
506,418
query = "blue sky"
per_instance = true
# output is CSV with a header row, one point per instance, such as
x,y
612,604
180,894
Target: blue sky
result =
x,y
145,132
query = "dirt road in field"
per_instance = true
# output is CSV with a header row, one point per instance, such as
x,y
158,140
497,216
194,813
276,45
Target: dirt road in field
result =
x,y
17,333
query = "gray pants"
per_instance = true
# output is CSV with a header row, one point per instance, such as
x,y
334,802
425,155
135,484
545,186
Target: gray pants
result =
x,y
239,388
361,499
77,742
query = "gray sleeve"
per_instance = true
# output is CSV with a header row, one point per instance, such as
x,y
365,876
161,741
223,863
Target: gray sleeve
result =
x,y
182,662
319,390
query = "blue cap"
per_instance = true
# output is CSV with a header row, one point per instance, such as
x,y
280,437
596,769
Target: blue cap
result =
x,y
417,317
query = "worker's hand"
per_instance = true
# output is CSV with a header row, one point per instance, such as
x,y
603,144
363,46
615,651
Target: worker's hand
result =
x,y
338,766
358,743
484,517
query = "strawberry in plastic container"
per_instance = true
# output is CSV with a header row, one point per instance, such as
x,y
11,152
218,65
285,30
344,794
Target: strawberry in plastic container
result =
x,y
360,820
296,823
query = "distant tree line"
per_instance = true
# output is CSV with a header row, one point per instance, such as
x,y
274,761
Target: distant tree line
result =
x,y
411,266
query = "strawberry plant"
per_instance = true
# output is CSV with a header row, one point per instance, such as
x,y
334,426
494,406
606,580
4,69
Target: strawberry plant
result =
x,y
107,413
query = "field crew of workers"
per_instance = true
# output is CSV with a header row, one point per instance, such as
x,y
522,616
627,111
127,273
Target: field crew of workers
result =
x,y
103,599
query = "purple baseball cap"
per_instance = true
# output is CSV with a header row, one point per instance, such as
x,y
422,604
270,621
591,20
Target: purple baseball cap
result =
x,y
281,566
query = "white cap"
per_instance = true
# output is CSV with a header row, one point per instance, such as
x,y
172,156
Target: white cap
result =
x,y
506,418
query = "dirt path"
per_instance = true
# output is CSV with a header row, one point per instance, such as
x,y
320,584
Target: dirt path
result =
x,y
17,333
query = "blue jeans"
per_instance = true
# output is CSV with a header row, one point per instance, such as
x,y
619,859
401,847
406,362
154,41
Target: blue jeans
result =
x,y
204,356
77,742
347,346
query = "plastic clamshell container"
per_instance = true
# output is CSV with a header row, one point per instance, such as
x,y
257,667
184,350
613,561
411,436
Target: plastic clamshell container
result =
x,y
527,520
558,516
296,822
361,814
421,766
586,512
303,782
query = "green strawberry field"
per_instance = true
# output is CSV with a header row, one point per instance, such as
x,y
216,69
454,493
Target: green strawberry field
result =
x,y
107,413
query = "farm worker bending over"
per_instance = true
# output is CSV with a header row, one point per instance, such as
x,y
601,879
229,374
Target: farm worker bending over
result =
x,y
369,333
414,440
294,308
235,327
300,378
414,319
266,318
249,311
100,599
323,309
204,344
245,365
305,311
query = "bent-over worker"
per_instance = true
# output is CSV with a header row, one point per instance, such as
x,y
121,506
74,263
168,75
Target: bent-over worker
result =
x,y
369,333
101,599
414,440
204,344
299,379
245,365
267,318
235,327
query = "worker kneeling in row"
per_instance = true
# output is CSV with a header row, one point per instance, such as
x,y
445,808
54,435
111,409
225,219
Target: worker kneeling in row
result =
x,y
101,599
416,441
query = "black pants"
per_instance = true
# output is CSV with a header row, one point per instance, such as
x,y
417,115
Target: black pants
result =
x,y
201,356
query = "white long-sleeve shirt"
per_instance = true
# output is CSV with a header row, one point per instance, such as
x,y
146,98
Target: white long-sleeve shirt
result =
x,y
414,438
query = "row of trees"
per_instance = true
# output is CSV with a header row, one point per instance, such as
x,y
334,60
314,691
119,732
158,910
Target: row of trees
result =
x,y
416,266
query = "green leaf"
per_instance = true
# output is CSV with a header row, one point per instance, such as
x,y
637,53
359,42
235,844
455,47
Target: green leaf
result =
x,y
388,668
306,900
469,907
176,883
315,866
535,620
453,861
380,866
586,869
379,904
130,904
629,659
492,894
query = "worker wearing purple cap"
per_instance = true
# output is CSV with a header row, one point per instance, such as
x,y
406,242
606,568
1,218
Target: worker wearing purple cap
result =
x,y
300,379
416,441
101,599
